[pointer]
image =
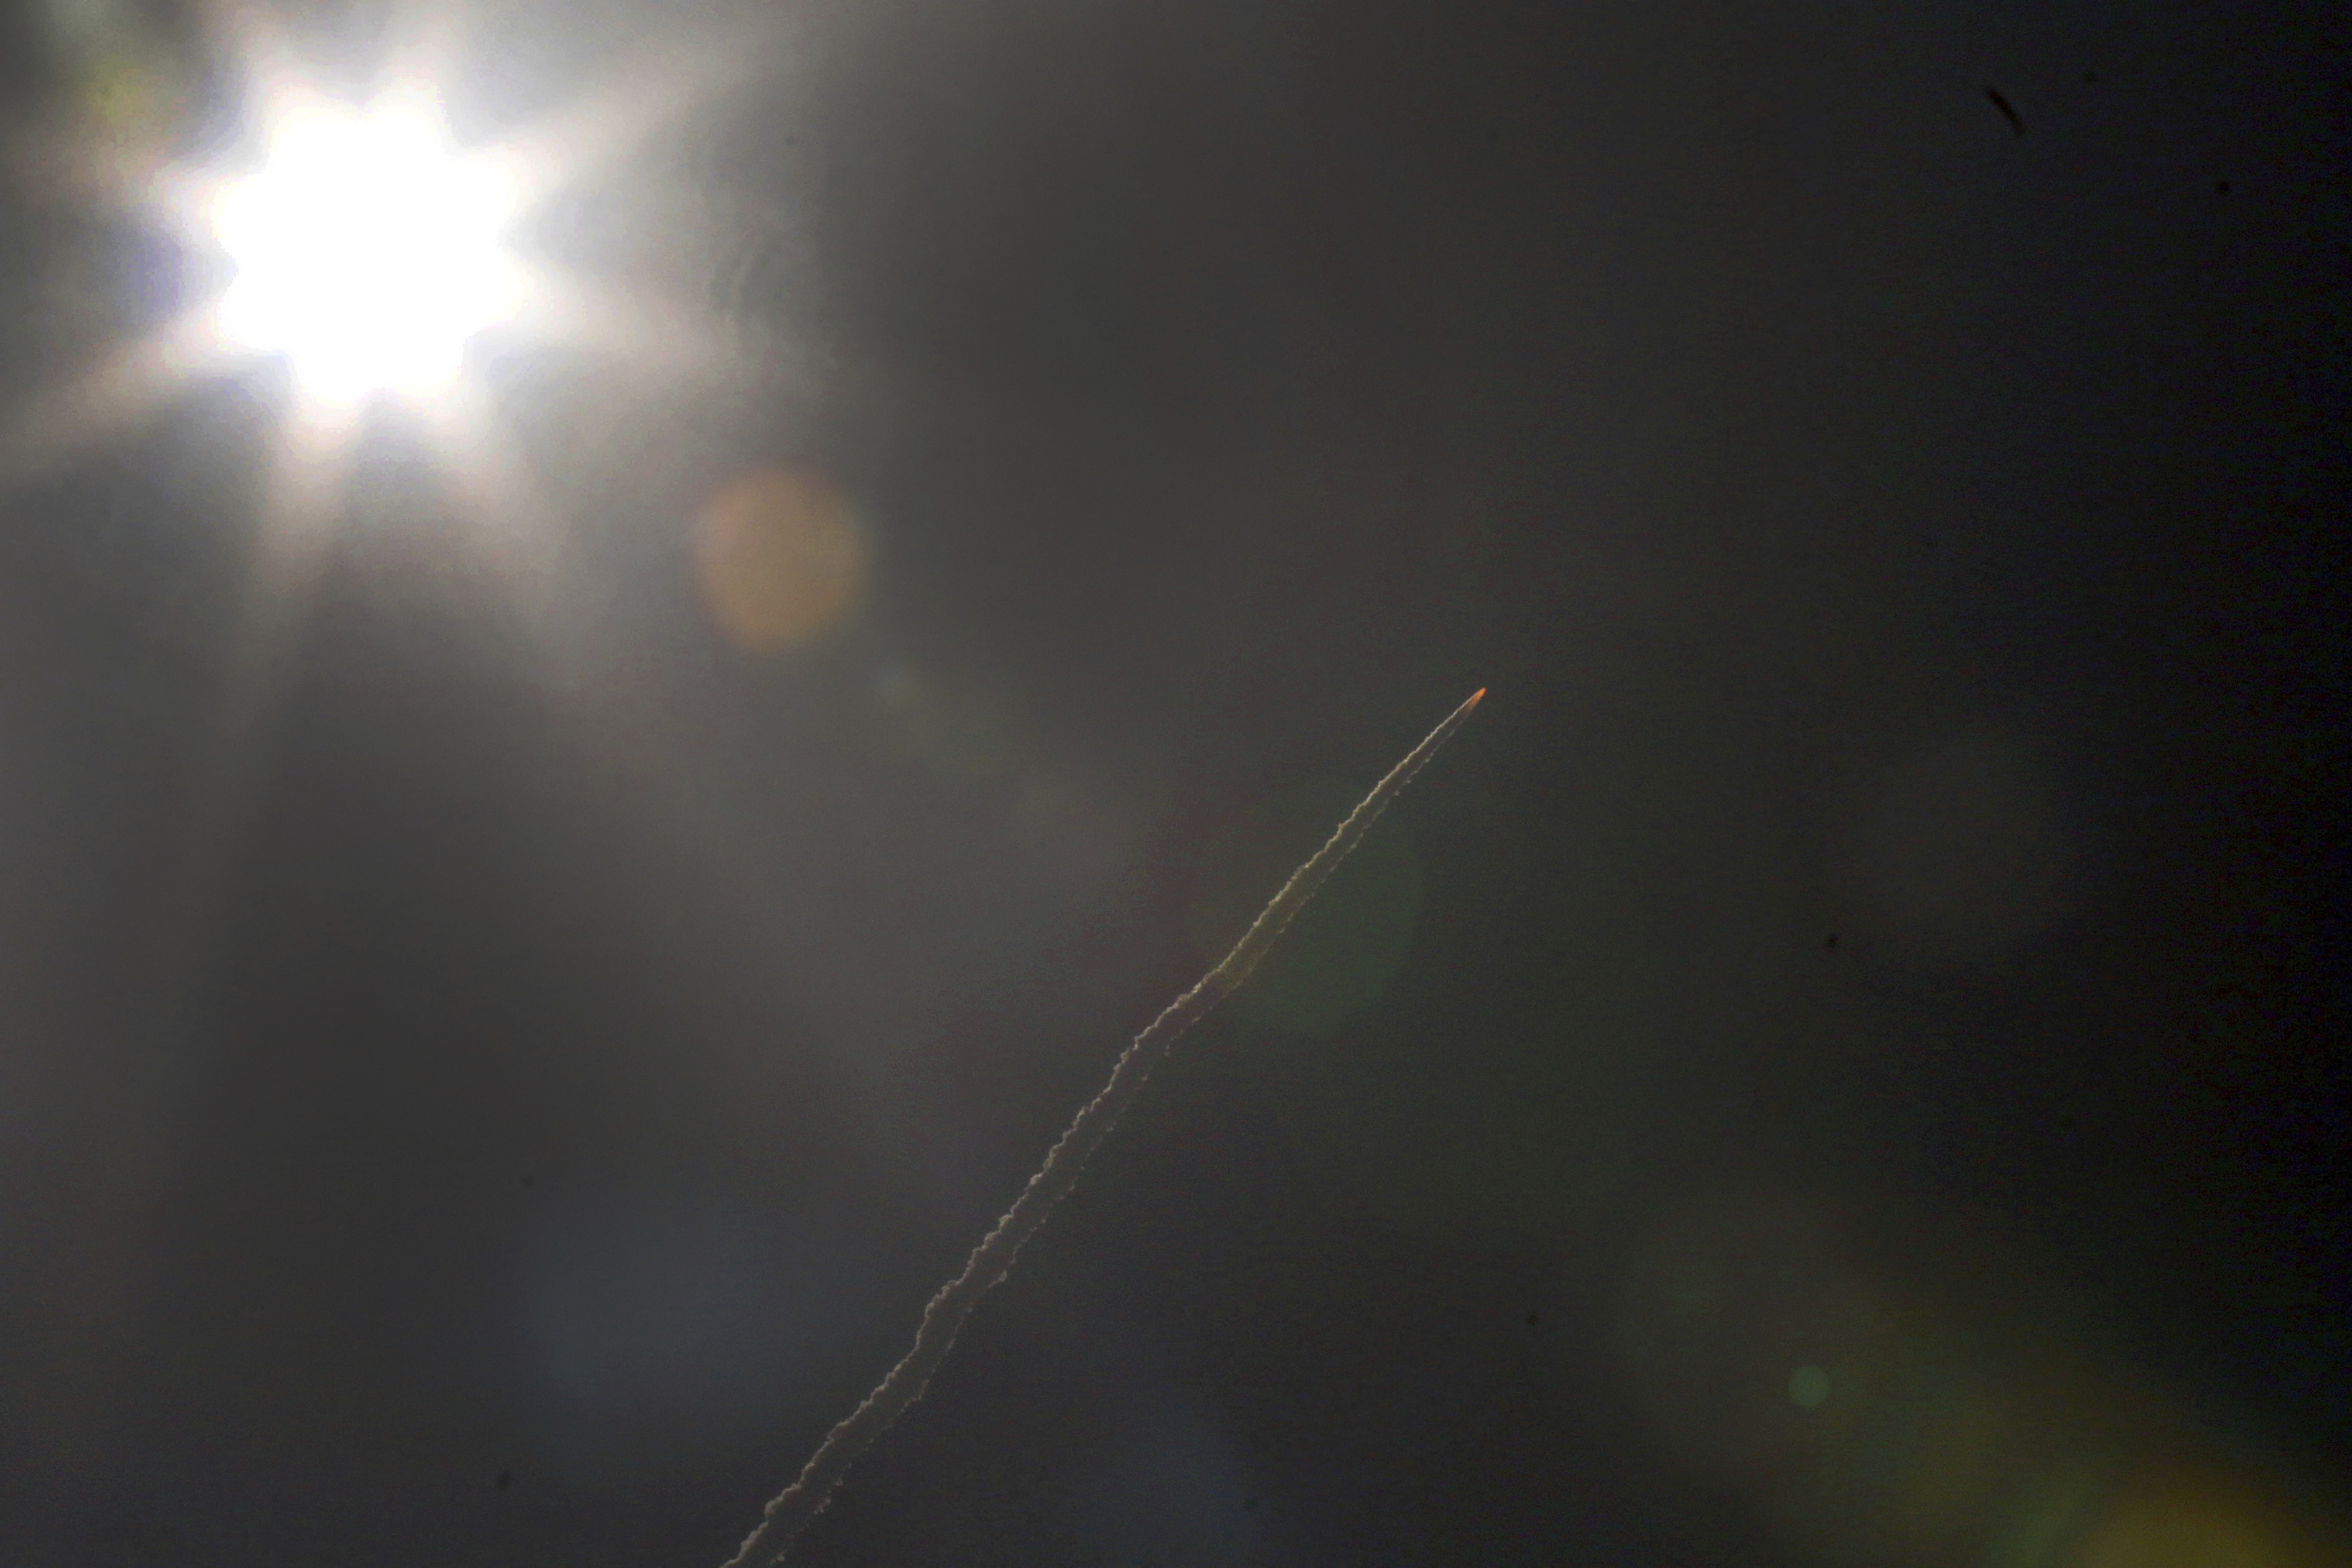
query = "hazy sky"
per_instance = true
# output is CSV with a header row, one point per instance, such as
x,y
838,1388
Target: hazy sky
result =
x,y
502,1029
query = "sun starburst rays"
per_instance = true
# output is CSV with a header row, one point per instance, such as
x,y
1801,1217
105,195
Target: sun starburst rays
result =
x,y
370,251
127,383
366,252
367,248
306,468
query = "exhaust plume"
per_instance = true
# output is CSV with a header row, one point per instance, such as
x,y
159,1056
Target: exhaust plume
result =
x,y
791,1510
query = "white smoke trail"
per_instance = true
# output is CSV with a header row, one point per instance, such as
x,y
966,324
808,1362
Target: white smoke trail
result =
x,y
790,1512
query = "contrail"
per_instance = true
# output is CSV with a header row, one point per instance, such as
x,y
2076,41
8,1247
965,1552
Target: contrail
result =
x,y
791,1510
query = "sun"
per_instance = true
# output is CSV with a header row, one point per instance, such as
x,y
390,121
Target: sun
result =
x,y
368,250
365,247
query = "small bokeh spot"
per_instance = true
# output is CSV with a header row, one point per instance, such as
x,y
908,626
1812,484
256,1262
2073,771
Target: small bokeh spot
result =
x,y
1809,1387
779,558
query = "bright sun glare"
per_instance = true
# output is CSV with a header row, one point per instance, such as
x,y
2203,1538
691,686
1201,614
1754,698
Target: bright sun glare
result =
x,y
367,251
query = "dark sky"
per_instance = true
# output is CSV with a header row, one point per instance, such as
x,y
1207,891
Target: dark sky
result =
x,y
1842,1061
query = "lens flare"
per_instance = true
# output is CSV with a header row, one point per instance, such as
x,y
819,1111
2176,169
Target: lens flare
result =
x,y
780,558
1877,1419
